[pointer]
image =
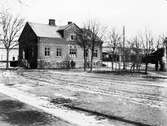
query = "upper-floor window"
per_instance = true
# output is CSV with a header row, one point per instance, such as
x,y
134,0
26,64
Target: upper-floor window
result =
x,y
73,51
95,53
13,58
59,52
47,51
73,37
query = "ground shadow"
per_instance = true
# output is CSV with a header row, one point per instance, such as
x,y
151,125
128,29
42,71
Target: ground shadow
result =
x,y
120,72
16,113
26,118
61,101
10,105
153,78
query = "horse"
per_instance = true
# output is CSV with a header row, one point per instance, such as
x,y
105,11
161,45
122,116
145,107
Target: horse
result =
x,y
136,62
153,58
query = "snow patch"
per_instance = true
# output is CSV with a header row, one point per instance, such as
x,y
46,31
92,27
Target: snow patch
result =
x,y
64,96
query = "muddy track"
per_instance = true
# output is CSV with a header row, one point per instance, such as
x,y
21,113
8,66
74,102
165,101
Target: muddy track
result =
x,y
108,80
107,116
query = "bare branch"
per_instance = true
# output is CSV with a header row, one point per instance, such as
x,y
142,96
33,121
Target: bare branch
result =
x,y
11,27
114,39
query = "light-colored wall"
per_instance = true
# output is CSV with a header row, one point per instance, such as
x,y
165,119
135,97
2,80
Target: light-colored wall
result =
x,y
53,43
80,59
69,31
52,60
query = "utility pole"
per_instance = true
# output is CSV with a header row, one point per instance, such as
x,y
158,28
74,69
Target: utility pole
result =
x,y
165,54
123,48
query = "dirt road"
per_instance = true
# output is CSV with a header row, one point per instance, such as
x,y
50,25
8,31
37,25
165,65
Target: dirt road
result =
x,y
127,99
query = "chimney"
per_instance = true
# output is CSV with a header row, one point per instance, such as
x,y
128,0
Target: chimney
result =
x,y
69,22
52,22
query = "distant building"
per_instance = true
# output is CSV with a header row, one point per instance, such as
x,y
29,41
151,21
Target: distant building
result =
x,y
13,54
108,53
49,45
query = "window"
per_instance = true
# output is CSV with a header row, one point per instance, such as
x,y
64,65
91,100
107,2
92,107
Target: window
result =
x,y
95,53
13,58
73,51
58,52
47,51
73,37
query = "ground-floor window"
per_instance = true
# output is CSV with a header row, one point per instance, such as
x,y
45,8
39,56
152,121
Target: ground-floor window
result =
x,y
47,51
59,52
95,53
73,51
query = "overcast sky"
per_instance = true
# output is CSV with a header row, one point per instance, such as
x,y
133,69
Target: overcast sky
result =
x,y
136,15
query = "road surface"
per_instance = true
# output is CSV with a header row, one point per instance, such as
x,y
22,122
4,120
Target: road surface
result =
x,y
111,99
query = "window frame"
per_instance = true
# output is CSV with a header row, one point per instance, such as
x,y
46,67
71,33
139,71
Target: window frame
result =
x,y
59,52
95,53
73,51
73,37
47,51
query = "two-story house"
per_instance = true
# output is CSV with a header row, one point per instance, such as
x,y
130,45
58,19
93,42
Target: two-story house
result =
x,y
48,45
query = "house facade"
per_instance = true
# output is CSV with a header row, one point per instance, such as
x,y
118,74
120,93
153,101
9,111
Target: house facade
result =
x,y
51,46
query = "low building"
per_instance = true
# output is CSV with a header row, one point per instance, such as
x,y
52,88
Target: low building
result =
x,y
13,54
116,54
50,46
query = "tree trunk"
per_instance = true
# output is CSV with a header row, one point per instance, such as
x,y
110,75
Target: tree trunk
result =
x,y
112,64
7,58
146,68
85,60
91,63
91,60
113,57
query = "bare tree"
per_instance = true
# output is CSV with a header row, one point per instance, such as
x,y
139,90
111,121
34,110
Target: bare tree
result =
x,y
114,41
159,42
11,27
83,42
149,39
95,35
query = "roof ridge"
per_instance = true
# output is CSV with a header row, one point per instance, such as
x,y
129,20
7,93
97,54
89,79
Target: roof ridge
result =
x,y
48,24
